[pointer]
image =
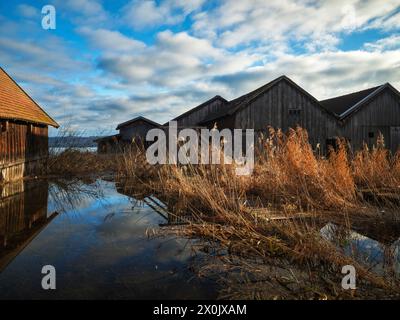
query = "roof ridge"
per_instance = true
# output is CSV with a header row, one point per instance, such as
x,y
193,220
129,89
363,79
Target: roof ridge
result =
x,y
241,101
274,82
199,106
363,100
344,105
354,92
122,124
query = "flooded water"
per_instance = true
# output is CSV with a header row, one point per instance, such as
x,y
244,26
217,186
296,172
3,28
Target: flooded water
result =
x,y
371,245
97,240
100,240
57,150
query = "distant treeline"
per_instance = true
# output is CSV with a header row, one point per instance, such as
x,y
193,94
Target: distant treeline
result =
x,y
71,141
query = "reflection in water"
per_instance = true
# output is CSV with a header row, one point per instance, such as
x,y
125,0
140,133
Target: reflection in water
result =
x,y
126,187
23,214
95,234
372,244
97,242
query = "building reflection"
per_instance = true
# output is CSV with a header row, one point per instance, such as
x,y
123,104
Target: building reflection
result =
x,y
23,214
131,189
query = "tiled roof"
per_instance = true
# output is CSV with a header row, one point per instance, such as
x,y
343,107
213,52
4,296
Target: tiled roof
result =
x,y
16,104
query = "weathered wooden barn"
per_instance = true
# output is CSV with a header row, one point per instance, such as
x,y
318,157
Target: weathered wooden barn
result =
x,y
130,132
108,144
24,132
363,115
281,103
358,117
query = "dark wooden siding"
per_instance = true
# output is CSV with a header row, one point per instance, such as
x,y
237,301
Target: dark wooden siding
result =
x,y
23,213
109,145
193,118
379,115
137,129
284,106
21,143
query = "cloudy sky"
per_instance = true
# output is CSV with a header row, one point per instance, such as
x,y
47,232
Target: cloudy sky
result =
x,y
109,61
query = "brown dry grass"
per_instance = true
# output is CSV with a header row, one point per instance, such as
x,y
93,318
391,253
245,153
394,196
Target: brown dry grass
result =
x,y
79,164
289,178
289,170
288,174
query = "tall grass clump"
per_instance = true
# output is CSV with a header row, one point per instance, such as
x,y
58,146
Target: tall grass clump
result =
x,y
132,163
76,163
373,167
289,173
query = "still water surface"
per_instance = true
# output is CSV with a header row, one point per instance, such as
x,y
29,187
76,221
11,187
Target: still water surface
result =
x,y
96,239
96,235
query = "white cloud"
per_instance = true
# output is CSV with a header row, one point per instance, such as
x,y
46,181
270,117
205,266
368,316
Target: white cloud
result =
x,y
322,42
237,23
47,55
175,59
232,48
389,43
141,14
85,7
84,12
392,22
28,11
324,74
111,41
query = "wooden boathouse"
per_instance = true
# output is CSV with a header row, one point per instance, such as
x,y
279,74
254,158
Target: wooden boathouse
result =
x,y
23,132
357,117
131,132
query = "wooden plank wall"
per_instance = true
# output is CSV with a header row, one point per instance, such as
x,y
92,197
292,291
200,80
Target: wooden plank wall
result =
x,y
272,109
377,116
137,129
19,211
193,118
21,143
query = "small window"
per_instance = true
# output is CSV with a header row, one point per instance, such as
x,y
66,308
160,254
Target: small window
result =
x,y
294,112
371,134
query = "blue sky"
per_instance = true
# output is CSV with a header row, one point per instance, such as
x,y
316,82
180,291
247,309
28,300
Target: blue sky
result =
x,y
109,61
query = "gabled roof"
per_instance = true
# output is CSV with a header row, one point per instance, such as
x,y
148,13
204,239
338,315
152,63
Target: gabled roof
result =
x,y
348,104
16,104
234,105
340,105
185,114
140,118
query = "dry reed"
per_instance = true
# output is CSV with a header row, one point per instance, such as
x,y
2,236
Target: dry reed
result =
x,y
289,177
